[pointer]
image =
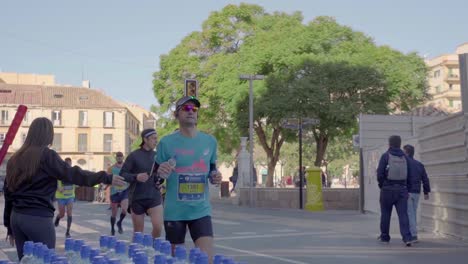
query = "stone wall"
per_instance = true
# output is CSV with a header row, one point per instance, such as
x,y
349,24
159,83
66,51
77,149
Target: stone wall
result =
x,y
333,199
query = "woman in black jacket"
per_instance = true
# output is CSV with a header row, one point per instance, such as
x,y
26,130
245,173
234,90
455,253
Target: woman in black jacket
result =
x,y
30,185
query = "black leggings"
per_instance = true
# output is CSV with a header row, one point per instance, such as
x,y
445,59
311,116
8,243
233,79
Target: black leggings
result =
x,y
32,228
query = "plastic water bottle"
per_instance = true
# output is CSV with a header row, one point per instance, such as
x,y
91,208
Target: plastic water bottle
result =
x,y
93,253
228,261
103,242
193,255
140,258
170,260
111,247
38,253
114,261
148,247
131,249
180,255
138,238
84,254
166,249
121,252
157,245
218,259
62,260
28,257
159,259
76,257
202,258
46,254
69,242
98,260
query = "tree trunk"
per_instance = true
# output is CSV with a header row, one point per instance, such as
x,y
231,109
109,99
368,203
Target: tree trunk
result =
x,y
272,150
322,142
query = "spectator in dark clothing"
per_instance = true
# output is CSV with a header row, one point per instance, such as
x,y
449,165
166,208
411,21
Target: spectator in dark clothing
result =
x,y
418,175
234,177
31,183
392,175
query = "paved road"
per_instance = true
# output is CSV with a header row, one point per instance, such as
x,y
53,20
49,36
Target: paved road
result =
x,y
285,236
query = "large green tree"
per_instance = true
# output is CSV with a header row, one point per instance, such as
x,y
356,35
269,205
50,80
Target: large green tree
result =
x,y
245,39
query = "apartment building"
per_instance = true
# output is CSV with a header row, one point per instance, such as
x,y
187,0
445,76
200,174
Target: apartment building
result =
x,y
89,126
444,81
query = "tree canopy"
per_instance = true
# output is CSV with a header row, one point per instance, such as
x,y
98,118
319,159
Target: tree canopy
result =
x,y
320,69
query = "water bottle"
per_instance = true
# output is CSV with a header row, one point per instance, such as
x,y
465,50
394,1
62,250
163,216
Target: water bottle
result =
x,y
148,247
62,260
166,249
111,247
193,255
170,260
157,245
38,253
4,261
98,260
103,242
93,253
114,261
202,258
136,253
159,259
46,254
28,257
218,259
180,255
131,250
75,259
120,252
84,254
140,258
138,238
69,242
228,261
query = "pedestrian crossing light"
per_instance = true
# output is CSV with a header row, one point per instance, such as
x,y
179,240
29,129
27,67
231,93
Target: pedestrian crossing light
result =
x,y
191,87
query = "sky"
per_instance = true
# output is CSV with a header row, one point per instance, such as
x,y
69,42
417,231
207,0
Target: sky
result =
x,y
116,44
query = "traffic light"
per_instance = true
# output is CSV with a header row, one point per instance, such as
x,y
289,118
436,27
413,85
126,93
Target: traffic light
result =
x,y
191,87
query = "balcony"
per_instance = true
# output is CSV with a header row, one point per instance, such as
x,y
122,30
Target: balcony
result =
x,y
452,78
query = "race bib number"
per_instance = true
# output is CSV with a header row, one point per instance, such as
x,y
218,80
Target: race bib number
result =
x,y
191,187
68,190
120,188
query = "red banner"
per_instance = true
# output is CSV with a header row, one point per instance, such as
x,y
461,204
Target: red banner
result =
x,y
10,136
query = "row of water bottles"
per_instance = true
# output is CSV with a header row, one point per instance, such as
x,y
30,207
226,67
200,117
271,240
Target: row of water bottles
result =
x,y
143,250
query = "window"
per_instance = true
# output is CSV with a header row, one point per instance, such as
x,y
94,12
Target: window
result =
x,y
57,117
57,143
450,86
2,138
23,138
82,142
4,120
107,143
451,103
437,89
83,119
27,117
108,119
437,74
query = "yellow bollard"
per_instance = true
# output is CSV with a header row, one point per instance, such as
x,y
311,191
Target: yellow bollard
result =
x,y
314,200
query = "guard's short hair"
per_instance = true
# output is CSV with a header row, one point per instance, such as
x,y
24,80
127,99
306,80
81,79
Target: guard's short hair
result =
x,y
409,149
395,141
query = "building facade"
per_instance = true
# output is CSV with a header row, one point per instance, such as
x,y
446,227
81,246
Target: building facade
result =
x,y
444,81
89,126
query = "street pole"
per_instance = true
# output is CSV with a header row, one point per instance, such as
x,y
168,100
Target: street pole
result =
x,y
301,173
251,145
251,78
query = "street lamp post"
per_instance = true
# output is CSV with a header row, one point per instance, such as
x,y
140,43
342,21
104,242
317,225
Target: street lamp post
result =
x,y
251,78
299,125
